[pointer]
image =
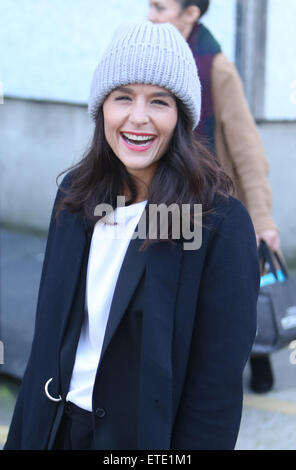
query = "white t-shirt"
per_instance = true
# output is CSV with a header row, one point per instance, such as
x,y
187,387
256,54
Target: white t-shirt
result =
x,y
107,251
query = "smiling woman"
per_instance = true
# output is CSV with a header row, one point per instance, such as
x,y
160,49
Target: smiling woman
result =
x,y
141,345
145,113
139,121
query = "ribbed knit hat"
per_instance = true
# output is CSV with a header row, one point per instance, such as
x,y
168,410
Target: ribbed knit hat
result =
x,y
155,54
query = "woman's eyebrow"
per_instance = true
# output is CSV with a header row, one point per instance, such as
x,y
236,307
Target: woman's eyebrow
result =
x,y
157,94
123,89
165,94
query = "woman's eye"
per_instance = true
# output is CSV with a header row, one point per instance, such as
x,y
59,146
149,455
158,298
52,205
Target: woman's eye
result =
x,y
160,102
122,98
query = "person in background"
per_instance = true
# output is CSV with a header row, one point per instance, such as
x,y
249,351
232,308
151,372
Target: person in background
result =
x,y
228,129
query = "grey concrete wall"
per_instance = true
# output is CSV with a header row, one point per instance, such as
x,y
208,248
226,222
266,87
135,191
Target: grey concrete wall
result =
x,y
50,48
39,140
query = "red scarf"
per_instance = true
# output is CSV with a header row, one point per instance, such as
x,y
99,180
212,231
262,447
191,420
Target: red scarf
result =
x,y
204,48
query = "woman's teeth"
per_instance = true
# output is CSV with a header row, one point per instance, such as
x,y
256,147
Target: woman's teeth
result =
x,y
140,140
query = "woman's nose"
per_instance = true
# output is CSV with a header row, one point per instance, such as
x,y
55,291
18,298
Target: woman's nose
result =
x,y
152,16
139,114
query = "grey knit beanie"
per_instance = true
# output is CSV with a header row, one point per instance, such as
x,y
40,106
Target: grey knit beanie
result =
x,y
155,54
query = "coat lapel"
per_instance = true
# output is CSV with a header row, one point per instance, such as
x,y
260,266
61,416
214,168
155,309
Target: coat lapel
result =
x,y
70,260
128,279
162,266
161,288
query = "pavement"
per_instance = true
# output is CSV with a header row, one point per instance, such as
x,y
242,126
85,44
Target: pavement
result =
x,y
268,420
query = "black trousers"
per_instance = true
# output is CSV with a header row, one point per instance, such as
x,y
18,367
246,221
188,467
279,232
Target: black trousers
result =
x,y
75,431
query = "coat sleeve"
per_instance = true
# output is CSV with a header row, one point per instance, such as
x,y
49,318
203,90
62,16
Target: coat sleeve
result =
x,y
243,143
14,439
210,409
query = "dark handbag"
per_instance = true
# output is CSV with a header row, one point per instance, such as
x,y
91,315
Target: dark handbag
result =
x,y
276,307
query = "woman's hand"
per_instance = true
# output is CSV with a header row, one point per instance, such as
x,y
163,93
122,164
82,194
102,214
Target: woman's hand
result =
x,y
271,238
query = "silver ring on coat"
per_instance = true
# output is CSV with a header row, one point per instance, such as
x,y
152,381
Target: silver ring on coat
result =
x,y
48,394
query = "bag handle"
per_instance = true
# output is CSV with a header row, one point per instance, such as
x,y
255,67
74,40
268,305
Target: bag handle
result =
x,y
281,263
265,254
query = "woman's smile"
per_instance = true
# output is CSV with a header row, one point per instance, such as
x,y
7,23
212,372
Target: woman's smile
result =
x,y
138,142
139,121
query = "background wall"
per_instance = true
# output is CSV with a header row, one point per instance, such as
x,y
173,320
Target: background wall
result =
x,y
48,51
50,48
280,91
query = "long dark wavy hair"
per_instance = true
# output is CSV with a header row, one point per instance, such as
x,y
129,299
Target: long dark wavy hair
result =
x,y
186,174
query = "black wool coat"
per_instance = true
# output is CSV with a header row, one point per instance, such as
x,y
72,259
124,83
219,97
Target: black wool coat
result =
x,y
198,327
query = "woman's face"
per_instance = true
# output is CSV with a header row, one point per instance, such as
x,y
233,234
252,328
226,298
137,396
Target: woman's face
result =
x,y
139,122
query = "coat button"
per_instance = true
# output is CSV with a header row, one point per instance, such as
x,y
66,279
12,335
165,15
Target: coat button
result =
x,y
100,413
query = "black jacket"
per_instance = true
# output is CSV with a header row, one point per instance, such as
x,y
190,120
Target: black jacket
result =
x,y
198,322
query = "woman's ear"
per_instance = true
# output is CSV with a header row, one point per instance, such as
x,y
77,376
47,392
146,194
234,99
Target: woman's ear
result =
x,y
192,14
